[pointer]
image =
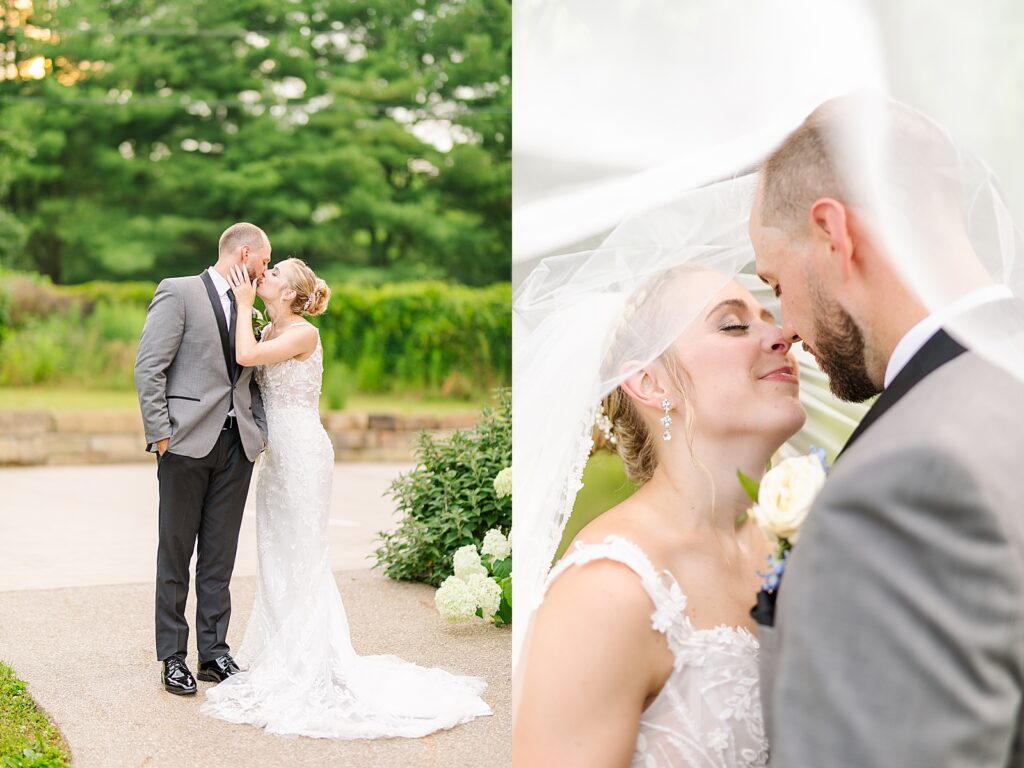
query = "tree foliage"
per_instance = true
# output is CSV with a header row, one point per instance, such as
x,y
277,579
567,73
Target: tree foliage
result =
x,y
361,134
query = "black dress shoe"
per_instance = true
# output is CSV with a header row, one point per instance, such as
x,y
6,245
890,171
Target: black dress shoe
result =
x,y
177,679
218,669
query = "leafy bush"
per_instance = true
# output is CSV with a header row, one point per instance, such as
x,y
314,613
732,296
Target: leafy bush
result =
x,y
28,296
427,336
448,500
139,293
98,348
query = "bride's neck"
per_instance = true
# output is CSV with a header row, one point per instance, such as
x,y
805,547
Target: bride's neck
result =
x,y
280,316
703,487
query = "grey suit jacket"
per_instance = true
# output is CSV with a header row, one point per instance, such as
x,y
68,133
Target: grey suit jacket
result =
x,y
899,632
184,371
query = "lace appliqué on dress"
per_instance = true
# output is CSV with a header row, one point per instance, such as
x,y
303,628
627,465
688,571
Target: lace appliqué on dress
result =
x,y
708,714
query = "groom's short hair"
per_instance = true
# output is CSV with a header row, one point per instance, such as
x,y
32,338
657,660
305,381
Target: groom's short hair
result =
x,y
818,160
242,233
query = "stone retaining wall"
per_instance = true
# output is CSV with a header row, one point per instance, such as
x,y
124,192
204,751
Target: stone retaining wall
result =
x,y
103,437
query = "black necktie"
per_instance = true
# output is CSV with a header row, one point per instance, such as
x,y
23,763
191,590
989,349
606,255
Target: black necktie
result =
x,y
232,320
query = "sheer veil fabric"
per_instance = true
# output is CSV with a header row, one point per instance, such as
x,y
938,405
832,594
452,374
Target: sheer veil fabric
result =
x,y
589,320
584,319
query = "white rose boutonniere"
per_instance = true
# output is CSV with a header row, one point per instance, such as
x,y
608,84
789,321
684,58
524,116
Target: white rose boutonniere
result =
x,y
785,496
782,500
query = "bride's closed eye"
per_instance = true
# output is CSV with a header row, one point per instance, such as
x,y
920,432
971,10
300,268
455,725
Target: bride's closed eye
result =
x,y
734,327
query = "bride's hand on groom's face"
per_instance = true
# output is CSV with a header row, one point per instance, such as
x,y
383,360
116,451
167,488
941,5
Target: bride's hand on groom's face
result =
x,y
243,288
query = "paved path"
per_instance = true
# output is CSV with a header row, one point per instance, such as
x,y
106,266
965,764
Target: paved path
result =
x,y
77,551
81,526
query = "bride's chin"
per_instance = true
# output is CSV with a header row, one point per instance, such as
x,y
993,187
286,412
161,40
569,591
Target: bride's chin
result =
x,y
799,418
787,421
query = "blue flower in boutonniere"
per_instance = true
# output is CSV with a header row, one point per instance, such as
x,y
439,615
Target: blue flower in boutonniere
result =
x,y
781,502
259,322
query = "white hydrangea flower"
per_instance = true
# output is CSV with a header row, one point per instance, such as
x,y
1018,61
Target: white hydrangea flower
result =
x,y
487,594
496,545
467,562
503,483
454,600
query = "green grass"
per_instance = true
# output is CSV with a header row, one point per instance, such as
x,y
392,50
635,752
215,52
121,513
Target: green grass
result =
x,y
411,406
68,399
54,399
27,738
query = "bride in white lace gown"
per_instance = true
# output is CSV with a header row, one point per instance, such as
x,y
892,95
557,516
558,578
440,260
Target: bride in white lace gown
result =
x,y
301,675
643,652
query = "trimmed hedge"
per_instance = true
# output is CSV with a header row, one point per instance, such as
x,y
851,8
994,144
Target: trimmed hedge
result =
x,y
429,337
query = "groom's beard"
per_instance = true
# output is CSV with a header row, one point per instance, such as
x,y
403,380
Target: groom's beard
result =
x,y
840,351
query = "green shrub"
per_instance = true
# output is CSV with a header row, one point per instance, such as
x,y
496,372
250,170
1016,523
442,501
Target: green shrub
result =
x,y
427,337
33,297
337,385
449,500
118,321
98,348
139,293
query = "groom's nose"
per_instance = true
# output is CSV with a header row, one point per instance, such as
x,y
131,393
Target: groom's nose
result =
x,y
789,333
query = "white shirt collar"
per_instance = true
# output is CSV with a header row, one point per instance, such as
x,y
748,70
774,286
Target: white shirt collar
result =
x,y
219,282
918,336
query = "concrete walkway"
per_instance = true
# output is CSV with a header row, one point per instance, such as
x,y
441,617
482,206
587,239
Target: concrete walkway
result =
x,y
77,553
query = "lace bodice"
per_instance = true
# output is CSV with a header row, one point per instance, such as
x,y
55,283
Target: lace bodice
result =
x,y
708,714
292,383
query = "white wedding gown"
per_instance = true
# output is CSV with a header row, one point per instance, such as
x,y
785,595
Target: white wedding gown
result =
x,y
301,675
708,714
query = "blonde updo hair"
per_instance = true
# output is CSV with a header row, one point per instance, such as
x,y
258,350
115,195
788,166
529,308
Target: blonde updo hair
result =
x,y
634,440
311,293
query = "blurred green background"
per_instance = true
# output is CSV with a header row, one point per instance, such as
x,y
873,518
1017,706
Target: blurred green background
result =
x,y
370,138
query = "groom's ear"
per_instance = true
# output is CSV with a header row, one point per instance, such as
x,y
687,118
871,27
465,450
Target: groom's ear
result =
x,y
830,219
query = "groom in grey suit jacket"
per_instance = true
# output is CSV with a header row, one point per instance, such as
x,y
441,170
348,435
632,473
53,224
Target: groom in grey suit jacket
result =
x,y
896,637
204,418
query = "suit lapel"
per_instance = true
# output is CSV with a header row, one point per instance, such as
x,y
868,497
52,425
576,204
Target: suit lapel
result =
x,y
218,313
936,352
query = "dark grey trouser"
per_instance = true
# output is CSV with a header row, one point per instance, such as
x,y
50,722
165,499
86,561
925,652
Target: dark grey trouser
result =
x,y
200,500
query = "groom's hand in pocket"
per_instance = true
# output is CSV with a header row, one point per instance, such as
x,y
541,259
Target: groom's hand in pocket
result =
x,y
161,445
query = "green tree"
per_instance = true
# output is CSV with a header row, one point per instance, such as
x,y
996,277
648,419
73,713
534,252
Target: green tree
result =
x,y
360,135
